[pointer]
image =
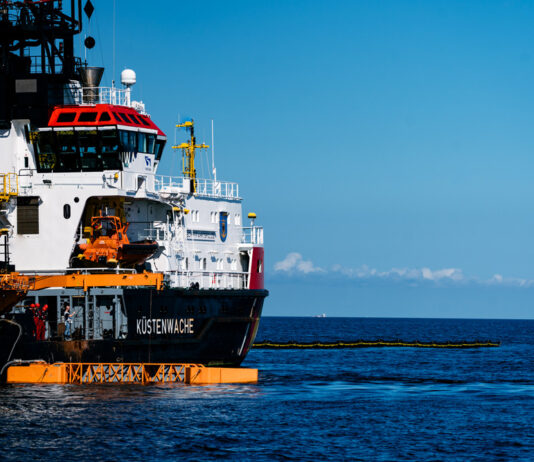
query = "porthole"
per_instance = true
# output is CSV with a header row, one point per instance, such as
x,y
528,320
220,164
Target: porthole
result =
x,y
76,199
66,211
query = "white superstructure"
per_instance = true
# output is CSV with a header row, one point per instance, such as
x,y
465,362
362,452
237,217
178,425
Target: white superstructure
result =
x,y
95,158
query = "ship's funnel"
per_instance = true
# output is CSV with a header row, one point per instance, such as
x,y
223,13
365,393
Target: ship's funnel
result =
x,y
91,77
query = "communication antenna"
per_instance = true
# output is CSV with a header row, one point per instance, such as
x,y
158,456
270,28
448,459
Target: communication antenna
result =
x,y
128,79
114,41
213,169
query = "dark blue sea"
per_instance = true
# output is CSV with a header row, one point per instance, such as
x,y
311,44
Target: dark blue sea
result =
x,y
361,404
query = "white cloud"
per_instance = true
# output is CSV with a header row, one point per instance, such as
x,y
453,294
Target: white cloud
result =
x,y
497,278
294,263
453,274
364,272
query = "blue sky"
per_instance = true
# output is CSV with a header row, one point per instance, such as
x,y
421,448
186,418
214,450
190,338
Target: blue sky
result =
x,y
386,146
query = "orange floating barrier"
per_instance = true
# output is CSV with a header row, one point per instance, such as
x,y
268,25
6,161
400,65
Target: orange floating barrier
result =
x,y
207,375
37,373
119,373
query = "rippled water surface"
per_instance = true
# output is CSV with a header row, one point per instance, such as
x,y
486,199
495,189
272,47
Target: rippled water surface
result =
x,y
362,404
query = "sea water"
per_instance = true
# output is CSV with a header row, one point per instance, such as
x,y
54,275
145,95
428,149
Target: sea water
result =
x,y
357,404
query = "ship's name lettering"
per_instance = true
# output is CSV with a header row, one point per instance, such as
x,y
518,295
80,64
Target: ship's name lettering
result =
x,y
200,235
158,326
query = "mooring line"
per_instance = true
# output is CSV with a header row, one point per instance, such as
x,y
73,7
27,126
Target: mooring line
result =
x,y
267,344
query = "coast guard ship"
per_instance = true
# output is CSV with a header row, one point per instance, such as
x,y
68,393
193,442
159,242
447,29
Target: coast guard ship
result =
x,y
81,200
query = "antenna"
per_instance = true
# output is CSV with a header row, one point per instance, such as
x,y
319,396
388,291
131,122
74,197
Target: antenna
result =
x,y
114,42
213,169
128,79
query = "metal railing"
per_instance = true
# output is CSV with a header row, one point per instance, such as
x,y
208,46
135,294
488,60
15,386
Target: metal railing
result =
x,y
205,187
214,188
252,235
154,234
169,184
9,186
102,95
211,279
36,66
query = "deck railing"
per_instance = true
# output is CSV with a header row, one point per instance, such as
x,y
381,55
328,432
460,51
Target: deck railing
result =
x,y
204,187
210,279
9,186
252,235
102,95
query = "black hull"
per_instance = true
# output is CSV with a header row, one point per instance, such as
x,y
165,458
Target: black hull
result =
x,y
211,327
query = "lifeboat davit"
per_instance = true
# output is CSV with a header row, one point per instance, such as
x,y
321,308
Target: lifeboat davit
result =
x,y
108,245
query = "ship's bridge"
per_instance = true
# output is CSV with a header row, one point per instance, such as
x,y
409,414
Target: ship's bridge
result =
x,y
98,137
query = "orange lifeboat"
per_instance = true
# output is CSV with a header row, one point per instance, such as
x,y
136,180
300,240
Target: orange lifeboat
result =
x,y
108,245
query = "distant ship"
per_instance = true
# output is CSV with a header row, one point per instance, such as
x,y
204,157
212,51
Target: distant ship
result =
x,y
154,268
322,315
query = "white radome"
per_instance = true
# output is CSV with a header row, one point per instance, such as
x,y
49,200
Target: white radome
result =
x,y
128,77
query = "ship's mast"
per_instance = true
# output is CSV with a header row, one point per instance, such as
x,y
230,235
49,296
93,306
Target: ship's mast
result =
x,y
188,153
36,56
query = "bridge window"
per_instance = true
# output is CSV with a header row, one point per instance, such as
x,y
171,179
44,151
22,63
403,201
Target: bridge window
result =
x,y
150,144
66,117
90,157
110,147
104,117
46,151
135,119
146,143
128,141
87,117
118,116
141,142
143,121
160,144
71,151
68,159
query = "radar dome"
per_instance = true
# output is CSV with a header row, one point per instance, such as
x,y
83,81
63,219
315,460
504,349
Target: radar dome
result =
x,y
128,77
